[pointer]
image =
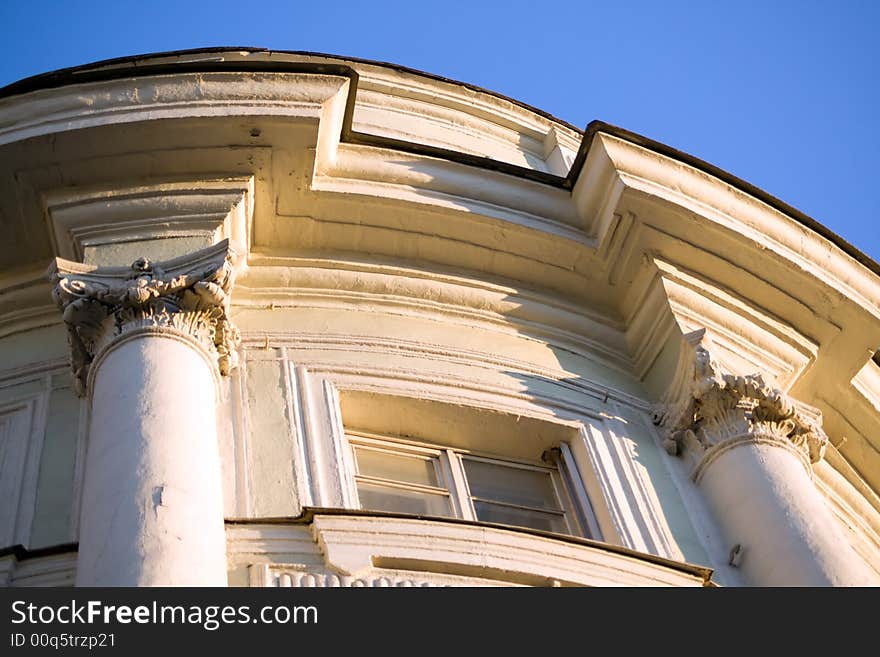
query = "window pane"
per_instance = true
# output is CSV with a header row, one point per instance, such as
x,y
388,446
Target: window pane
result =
x,y
510,484
397,467
488,512
386,498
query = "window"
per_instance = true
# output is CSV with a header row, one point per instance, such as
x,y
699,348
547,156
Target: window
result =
x,y
408,477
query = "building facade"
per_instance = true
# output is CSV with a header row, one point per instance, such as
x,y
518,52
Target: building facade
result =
x,y
285,319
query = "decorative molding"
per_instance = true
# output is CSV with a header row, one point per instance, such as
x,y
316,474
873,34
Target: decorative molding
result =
x,y
331,410
603,462
450,389
711,408
130,100
307,474
867,383
630,486
43,568
383,549
32,371
517,134
351,545
639,521
295,282
241,429
213,209
709,196
289,576
606,463
22,432
17,422
322,459
860,520
188,295
742,332
25,302
302,341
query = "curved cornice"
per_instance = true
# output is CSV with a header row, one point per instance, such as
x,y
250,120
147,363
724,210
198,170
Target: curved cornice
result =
x,y
145,65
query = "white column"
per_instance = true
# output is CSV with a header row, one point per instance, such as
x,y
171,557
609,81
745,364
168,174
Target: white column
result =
x,y
752,447
767,503
149,344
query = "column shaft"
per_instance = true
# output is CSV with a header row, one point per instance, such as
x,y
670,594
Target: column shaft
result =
x,y
766,501
753,447
152,503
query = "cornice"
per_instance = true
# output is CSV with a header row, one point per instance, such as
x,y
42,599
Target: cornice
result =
x,y
560,379
212,209
867,383
746,337
298,93
26,304
262,60
250,85
766,227
288,283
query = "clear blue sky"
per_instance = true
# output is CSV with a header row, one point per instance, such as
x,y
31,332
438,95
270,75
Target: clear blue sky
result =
x,y
781,93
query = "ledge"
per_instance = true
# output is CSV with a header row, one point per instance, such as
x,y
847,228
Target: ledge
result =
x,y
355,542
54,565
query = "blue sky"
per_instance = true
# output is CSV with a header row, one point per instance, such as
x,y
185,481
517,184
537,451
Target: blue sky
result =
x,y
783,94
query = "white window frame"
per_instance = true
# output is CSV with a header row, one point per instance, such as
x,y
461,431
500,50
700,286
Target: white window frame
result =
x,y
569,490
441,468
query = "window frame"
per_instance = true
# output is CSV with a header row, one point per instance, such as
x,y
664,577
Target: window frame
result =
x,y
570,494
371,444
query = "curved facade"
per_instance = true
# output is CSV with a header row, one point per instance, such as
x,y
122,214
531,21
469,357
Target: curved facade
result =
x,y
310,321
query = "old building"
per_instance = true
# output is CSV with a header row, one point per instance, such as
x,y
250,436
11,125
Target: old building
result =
x,y
281,319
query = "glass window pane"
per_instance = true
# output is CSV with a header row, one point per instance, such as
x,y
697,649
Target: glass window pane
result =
x,y
397,467
488,512
513,485
386,498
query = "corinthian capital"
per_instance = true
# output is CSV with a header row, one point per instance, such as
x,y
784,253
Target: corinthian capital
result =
x,y
189,294
711,407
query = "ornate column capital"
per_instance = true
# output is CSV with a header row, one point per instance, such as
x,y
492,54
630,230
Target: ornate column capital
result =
x,y
708,407
189,294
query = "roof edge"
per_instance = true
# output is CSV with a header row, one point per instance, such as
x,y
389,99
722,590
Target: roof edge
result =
x,y
139,65
40,80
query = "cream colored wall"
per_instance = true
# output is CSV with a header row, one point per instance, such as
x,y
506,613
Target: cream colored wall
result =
x,y
499,369
36,371
54,520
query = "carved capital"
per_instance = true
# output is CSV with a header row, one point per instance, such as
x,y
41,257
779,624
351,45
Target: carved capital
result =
x,y
188,294
711,407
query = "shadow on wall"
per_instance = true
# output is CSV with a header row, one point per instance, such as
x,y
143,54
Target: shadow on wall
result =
x,y
632,483
638,489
